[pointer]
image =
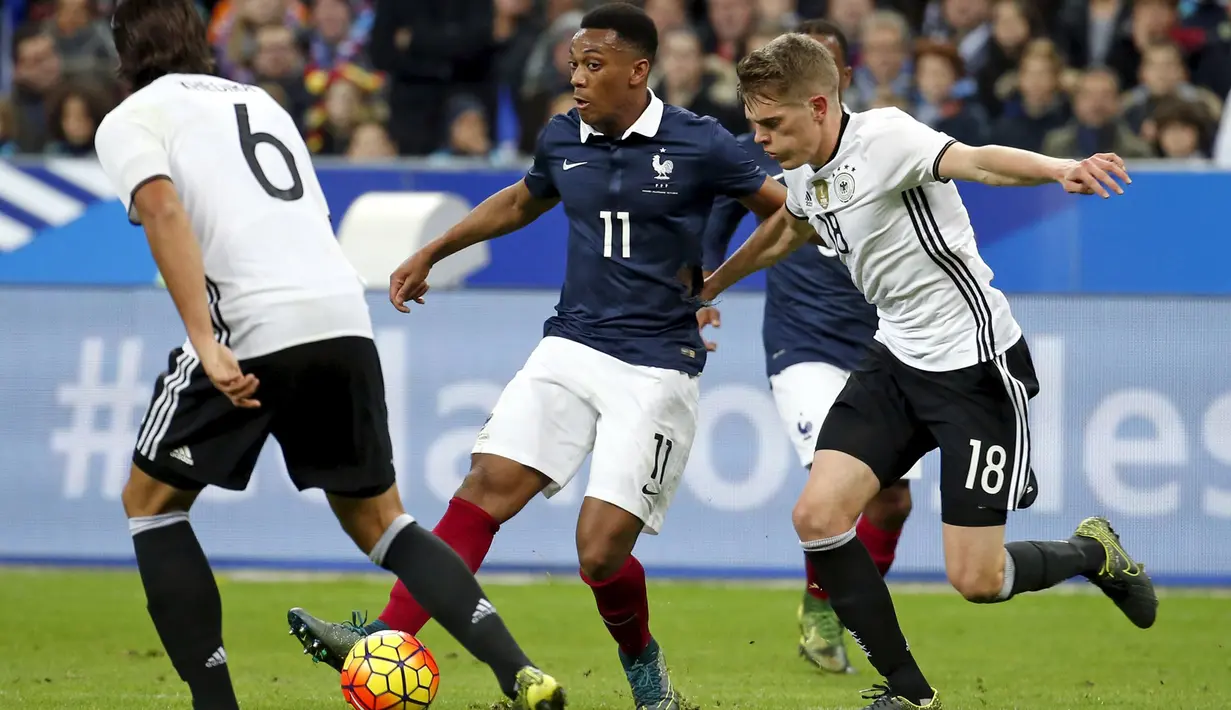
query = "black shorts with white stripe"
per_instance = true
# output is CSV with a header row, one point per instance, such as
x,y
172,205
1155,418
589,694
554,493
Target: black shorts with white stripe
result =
x,y
890,414
324,402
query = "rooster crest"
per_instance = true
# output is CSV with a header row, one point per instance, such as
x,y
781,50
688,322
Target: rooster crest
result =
x,y
662,167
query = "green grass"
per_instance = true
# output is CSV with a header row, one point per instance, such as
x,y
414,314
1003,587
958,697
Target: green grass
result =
x,y
78,640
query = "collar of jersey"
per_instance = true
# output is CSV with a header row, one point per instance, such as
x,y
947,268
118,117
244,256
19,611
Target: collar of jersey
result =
x,y
846,119
646,124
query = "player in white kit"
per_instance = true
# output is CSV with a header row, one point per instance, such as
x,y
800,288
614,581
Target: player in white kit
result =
x,y
279,343
950,368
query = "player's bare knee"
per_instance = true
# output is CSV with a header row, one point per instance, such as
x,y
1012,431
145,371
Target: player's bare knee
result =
x,y
500,486
600,559
818,520
976,583
144,496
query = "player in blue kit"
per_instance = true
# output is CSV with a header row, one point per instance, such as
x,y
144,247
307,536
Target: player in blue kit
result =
x,y
817,326
616,372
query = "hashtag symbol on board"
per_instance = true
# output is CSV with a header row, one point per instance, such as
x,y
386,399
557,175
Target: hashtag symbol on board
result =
x,y
101,417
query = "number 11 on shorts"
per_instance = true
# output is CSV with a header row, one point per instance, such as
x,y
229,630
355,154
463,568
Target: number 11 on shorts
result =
x,y
993,465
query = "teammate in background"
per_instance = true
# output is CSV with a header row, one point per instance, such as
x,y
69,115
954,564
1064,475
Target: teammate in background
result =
x,y
616,372
817,326
949,368
222,182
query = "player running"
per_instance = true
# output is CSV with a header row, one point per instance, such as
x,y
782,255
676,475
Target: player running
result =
x,y
279,343
949,368
816,328
616,372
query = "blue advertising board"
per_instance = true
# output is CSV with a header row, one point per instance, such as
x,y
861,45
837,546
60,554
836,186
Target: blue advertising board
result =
x,y
1133,423
60,224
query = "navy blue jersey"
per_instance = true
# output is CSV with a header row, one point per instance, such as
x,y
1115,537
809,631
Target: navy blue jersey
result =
x,y
637,207
813,312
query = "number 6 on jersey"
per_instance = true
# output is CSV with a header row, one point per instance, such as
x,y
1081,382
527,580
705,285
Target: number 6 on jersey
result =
x,y
625,229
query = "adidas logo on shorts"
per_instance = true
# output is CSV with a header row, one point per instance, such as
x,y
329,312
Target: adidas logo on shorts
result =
x,y
182,454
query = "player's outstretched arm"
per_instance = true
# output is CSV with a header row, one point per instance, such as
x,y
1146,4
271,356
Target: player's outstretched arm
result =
x,y
506,211
998,165
779,235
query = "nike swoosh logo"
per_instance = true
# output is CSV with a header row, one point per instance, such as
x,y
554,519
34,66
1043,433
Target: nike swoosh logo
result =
x,y
570,166
648,491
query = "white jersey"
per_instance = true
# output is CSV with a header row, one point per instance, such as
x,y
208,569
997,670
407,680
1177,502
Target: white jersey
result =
x,y
906,238
275,274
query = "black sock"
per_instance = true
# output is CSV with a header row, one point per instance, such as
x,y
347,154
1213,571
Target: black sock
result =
x,y
439,580
183,601
1031,566
861,599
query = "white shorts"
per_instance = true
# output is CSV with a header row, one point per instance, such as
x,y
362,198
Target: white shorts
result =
x,y
569,400
804,392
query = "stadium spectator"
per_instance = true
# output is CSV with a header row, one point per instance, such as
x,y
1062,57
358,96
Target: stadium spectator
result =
x,y
469,132
515,31
339,33
1163,76
1096,126
1222,145
278,61
938,68
1151,22
1214,67
765,32
82,41
687,83
849,16
74,112
1088,30
370,142
886,69
1182,130
36,73
1014,24
235,42
547,75
429,50
667,15
967,25
349,99
731,22
1037,106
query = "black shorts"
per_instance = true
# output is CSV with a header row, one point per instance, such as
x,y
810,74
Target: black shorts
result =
x,y
890,414
324,403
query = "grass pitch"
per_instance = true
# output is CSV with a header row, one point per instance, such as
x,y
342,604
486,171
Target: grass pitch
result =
x,y
78,640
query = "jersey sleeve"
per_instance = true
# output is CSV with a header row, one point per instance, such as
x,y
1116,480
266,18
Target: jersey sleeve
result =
x,y
131,153
793,206
731,170
908,149
538,178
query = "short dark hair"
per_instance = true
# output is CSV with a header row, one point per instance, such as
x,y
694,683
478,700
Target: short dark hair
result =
x,y
25,33
825,28
159,37
97,104
629,22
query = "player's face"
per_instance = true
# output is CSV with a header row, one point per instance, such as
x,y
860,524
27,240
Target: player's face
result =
x,y
607,75
790,132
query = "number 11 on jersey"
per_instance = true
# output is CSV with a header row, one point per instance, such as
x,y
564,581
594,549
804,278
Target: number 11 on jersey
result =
x,y
605,215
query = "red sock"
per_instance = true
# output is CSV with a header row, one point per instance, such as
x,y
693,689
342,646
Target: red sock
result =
x,y
814,587
624,607
881,543
469,530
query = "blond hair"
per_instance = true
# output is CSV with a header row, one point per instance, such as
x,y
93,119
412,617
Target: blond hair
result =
x,y
791,68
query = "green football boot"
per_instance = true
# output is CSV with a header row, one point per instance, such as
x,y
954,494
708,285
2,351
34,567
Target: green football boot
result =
x,y
822,637
1121,578
883,699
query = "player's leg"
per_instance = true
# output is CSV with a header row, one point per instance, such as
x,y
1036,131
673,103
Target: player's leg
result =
x,y
647,421
191,437
803,394
869,440
982,423
334,434
880,526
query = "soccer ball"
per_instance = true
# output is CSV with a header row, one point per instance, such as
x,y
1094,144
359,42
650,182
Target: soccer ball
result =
x,y
390,670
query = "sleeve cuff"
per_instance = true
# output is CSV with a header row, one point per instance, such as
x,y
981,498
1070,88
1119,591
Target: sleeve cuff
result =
x,y
133,195
936,163
790,211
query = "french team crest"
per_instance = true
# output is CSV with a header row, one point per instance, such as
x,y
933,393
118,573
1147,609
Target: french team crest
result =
x,y
821,188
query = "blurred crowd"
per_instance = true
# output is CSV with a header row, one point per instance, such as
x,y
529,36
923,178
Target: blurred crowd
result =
x,y
477,79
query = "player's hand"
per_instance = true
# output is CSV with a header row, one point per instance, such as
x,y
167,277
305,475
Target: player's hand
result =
x,y
709,316
223,370
409,281
1095,175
